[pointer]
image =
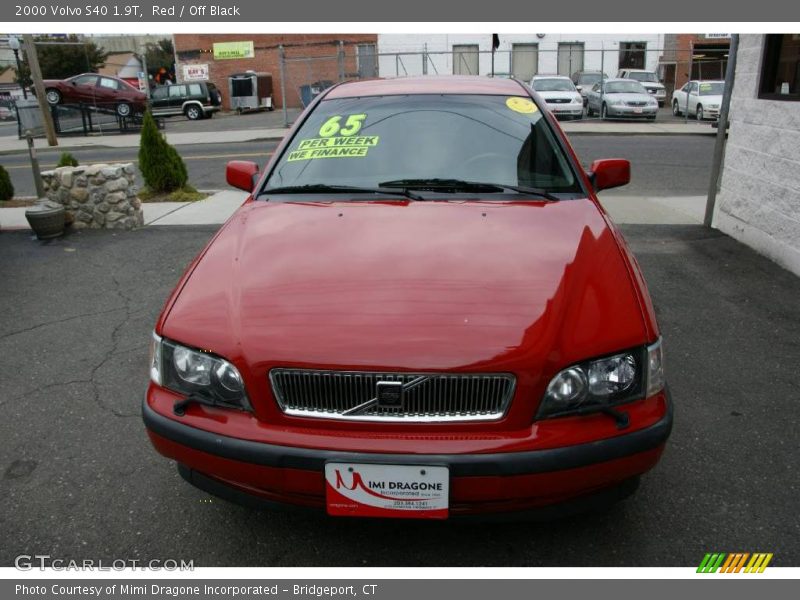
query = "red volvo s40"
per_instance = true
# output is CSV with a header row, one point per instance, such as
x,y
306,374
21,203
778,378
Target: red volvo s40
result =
x,y
421,310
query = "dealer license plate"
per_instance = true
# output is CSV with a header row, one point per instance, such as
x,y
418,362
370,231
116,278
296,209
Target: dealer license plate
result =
x,y
398,491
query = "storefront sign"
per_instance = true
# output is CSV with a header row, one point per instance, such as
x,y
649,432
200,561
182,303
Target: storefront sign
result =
x,y
195,72
229,50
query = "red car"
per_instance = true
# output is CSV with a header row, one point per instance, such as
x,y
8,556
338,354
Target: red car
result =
x,y
101,91
421,311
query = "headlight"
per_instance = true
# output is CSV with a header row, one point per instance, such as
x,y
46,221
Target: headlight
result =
x,y
189,371
615,102
596,384
653,102
713,106
577,100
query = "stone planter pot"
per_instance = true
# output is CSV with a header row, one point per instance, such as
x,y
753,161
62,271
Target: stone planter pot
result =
x,y
47,219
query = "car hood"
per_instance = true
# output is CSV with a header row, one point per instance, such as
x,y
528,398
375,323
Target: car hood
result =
x,y
559,95
485,285
651,85
629,97
715,99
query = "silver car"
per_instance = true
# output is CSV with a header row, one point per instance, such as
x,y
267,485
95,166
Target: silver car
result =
x,y
621,98
560,95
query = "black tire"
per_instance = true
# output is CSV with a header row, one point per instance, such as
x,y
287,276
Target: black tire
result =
x,y
589,112
653,118
676,109
698,113
124,110
193,112
53,96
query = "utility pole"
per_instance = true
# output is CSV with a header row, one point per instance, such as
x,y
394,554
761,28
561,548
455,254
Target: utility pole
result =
x,y
282,57
36,75
722,131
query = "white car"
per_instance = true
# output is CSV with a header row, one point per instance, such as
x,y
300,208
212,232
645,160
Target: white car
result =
x,y
649,80
560,94
700,99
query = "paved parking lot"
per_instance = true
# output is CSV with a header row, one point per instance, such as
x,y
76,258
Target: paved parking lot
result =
x,y
80,480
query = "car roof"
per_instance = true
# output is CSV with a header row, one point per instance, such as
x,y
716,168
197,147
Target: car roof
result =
x,y
614,79
707,81
433,84
550,77
638,70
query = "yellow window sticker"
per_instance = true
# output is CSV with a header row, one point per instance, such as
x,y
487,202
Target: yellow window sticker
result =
x,y
705,86
521,105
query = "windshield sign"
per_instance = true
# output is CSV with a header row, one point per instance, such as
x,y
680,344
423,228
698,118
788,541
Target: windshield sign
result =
x,y
362,142
714,88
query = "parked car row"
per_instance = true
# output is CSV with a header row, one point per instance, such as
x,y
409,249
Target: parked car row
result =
x,y
196,100
609,98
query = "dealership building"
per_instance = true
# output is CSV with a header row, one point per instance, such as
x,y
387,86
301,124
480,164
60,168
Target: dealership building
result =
x,y
308,59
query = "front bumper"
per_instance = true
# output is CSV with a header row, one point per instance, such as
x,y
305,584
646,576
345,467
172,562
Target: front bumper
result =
x,y
635,112
490,482
566,109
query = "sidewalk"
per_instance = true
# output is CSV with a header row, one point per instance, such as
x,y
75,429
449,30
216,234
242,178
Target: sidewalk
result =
x,y
10,144
216,209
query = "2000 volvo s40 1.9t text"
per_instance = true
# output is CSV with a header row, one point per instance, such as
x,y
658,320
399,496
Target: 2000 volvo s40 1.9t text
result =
x,y
420,311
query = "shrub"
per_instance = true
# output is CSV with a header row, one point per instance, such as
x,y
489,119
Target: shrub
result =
x,y
6,188
162,167
67,160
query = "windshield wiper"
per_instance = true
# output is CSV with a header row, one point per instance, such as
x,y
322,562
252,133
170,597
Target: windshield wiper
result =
x,y
461,185
321,188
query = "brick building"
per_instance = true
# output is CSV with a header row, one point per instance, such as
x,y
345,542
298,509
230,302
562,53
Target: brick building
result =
x,y
706,54
309,58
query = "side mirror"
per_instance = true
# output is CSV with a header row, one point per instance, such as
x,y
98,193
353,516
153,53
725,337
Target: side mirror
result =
x,y
579,87
610,173
241,174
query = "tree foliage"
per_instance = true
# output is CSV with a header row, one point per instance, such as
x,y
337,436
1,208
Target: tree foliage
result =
x,y
160,58
163,169
59,60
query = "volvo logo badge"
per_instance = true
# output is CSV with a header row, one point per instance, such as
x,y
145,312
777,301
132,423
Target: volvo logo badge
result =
x,y
389,394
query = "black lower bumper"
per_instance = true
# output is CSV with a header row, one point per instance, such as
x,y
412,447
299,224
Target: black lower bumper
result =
x,y
460,465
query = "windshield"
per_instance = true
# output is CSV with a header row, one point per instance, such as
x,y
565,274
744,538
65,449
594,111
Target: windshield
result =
x,y
643,76
625,87
589,78
712,88
366,141
553,85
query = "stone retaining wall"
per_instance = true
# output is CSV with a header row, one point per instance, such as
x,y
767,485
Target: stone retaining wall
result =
x,y
96,196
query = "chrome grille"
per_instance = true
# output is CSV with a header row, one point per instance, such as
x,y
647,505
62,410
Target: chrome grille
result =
x,y
637,103
426,396
558,100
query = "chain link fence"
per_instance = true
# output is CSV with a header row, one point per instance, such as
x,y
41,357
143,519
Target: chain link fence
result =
x,y
663,71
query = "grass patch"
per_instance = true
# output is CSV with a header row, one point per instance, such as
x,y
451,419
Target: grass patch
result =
x,y
185,194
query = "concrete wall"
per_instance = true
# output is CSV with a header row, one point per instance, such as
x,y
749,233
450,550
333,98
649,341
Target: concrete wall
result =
x,y
759,201
599,49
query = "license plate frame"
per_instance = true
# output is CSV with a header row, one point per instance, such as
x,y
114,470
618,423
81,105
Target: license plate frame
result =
x,y
387,490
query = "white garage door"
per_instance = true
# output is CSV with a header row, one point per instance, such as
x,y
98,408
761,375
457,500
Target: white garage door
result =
x,y
465,59
524,61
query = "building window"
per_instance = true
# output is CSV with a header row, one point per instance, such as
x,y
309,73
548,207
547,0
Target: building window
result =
x,y
524,61
465,59
570,58
632,55
780,67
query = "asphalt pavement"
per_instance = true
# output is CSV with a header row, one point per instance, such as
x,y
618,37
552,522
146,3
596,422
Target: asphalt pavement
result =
x,y
662,165
80,480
